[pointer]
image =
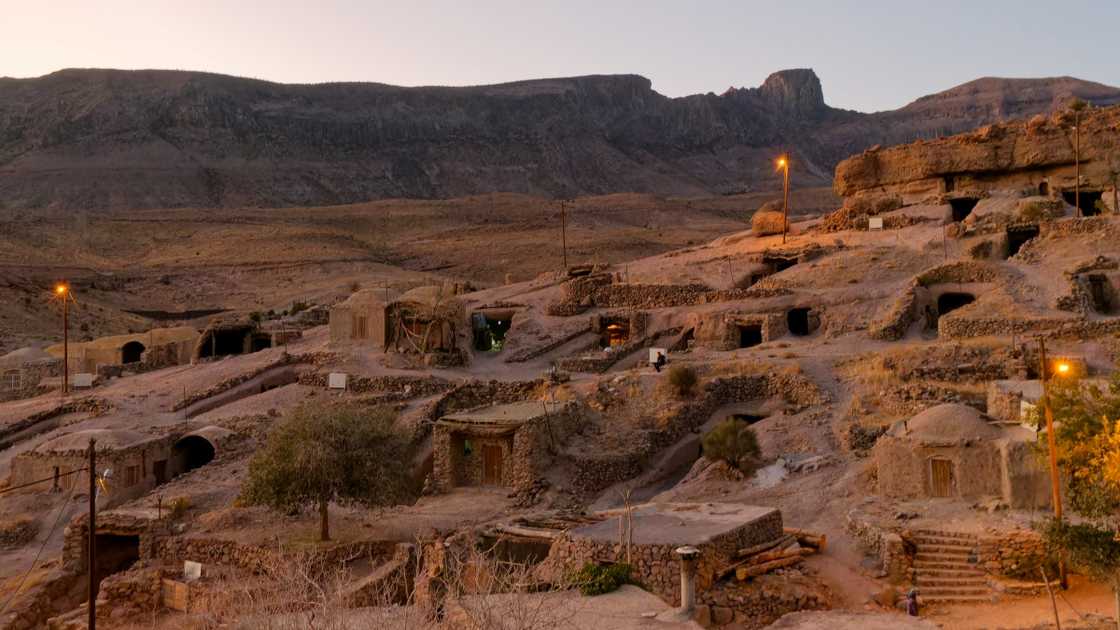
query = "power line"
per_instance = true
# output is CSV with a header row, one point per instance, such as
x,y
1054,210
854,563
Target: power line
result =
x,y
32,483
39,553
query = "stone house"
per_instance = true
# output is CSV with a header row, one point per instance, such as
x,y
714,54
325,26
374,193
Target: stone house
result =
x,y
504,445
21,372
362,318
717,530
139,462
731,329
159,347
426,320
952,451
1012,401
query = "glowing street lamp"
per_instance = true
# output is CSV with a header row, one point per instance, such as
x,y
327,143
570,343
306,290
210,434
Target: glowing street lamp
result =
x,y
1062,368
62,292
783,164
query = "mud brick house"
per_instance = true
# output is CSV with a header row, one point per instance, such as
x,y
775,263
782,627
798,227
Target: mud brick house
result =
x,y
952,451
504,445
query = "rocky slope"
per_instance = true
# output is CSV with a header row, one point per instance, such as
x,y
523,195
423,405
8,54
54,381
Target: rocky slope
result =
x,y
148,139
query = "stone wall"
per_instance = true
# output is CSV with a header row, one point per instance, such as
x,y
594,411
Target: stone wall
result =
x,y
393,388
760,602
31,374
1015,554
92,406
893,324
657,567
128,593
230,383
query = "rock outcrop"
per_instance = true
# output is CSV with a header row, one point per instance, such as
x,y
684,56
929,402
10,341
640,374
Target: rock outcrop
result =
x,y
1036,155
93,139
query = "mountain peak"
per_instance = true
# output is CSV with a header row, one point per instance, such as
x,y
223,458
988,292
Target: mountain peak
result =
x,y
796,91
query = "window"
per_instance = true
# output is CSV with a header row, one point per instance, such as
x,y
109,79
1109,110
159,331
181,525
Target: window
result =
x,y
467,448
12,381
131,476
361,327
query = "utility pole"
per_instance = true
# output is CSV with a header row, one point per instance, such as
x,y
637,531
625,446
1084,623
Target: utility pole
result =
x,y
1055,483
1077,159
564,231
62,290
784,163
92,554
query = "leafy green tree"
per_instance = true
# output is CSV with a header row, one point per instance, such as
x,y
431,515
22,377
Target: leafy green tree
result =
x,y
734,442
328,452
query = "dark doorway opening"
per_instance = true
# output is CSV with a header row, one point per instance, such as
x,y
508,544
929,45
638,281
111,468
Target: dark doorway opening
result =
x,y
748,418
750,336
798,321
1100,289
195,451
1044,189
225,342
159,471
962,207
260,342
1088,200
115,553
1018,236
490,330
949,302
131,352
779,263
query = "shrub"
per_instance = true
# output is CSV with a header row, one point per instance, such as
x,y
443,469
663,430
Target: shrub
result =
x,y
734,442
595,579
682,379
178,508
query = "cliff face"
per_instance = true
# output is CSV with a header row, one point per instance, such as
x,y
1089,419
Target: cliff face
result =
x,y
1036,153
143,139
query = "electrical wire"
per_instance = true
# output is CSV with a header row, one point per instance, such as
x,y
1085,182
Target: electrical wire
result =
x,y
39,553
32,483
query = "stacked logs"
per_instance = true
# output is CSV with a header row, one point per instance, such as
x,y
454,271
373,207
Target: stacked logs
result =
x,y
786,551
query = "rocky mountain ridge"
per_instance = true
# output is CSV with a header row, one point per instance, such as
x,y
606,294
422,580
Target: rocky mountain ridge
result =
x,y
112,139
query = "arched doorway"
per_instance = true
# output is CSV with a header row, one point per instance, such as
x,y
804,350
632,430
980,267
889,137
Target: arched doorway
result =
x,y
194,451
949,302
131,352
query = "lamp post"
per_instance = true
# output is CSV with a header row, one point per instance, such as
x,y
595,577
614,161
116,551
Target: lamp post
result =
x,y
1062,368
783,163
564,231
62,291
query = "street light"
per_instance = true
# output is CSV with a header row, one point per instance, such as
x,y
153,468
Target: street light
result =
x,y
783,163
1063,368
62,291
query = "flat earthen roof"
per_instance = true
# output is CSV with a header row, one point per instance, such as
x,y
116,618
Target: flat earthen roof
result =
x,y
511,414
677,523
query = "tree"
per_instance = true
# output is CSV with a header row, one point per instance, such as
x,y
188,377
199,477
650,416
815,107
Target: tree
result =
x,y
734,442
1088,452
328,452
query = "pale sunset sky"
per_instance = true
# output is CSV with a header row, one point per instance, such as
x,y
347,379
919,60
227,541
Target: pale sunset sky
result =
x,y
870,55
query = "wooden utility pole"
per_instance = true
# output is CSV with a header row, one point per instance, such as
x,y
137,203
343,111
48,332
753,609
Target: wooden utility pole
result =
x,y
1051,440
91,556
1077,159
564,231
785,198
65,343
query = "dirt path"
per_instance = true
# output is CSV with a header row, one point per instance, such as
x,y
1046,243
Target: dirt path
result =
x,y
1082,598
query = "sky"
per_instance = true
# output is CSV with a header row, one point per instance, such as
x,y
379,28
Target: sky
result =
x,y
870,55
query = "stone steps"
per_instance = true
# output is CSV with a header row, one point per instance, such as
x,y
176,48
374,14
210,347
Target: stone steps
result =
x,y
955,551
934,533
955,599
941,557
944,542
943,574
922,565
925,582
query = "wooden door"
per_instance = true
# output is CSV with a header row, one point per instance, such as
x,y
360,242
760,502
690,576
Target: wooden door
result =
x,y
942,479
491,465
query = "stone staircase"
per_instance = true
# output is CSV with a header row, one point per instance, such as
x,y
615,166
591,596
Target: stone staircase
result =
x,y
946,569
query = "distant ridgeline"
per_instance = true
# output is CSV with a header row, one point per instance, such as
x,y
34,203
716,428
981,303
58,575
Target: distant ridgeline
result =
x,y
110,139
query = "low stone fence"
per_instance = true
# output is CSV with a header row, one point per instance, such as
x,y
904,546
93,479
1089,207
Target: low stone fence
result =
x,y
398,387
950,327
758,603
593,474
1016,554
230,383
129,593
93,406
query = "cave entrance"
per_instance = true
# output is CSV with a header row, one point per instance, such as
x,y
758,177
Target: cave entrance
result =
x,y
260,341
131,352
1044,189
1088,201
1100,289
949,302
798,321
490,330
115,553
748,418
750,335
1018,236
194,451
226,341
962,207
779,262
615,334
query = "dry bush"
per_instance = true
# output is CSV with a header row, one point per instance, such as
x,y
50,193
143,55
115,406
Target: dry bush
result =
x,y
17,532
683,380
733,442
